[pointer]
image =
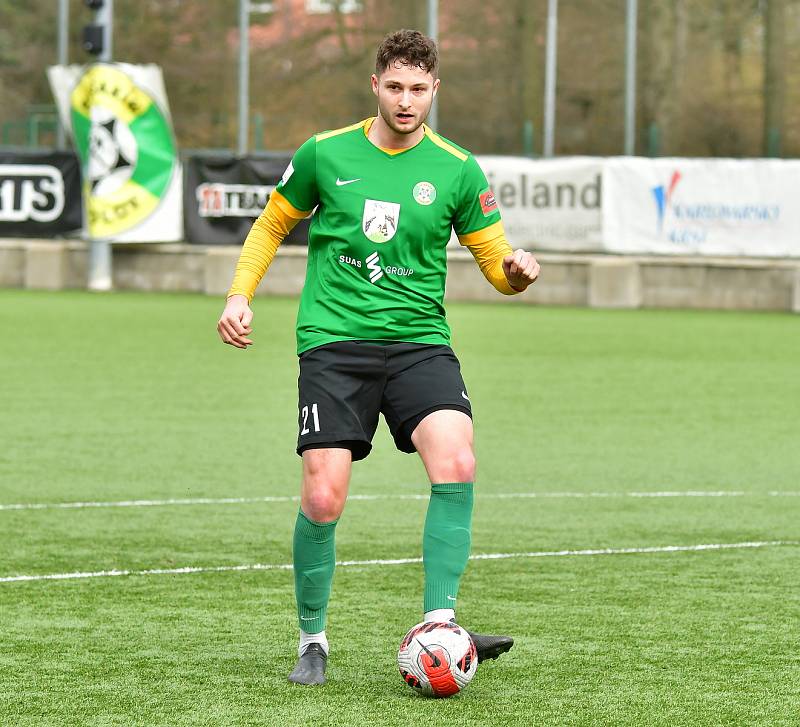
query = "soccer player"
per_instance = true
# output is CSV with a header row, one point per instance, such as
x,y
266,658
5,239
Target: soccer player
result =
x,y
372,336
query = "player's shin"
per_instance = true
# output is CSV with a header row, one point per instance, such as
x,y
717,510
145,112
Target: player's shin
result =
x,y
314,560
446,543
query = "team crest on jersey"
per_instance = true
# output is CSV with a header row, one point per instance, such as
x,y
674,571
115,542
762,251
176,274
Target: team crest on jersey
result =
x,y
424,193
380,220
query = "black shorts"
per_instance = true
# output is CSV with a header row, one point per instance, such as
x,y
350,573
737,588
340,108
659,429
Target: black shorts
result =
x,y
343,386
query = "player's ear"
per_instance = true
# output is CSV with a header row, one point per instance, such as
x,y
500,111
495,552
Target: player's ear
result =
x,y
435,86
374,84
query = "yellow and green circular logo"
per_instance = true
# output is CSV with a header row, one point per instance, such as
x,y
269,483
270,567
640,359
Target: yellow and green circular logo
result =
x,y
424,193
126,148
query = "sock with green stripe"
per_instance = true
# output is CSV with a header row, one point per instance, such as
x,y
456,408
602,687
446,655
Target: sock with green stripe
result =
x,y
446,543
314,550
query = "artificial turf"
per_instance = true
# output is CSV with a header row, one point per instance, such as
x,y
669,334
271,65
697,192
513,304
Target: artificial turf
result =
x,y
118,397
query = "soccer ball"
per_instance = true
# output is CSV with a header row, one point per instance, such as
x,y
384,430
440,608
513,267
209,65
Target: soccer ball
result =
x,y
437,659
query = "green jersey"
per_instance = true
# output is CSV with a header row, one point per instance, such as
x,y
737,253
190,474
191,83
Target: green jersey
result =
x,y
377,258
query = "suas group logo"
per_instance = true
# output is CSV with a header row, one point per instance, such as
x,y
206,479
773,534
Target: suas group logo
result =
x,y
682,218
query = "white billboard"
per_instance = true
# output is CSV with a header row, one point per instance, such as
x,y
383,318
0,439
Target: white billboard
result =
x,y
702,206
548,204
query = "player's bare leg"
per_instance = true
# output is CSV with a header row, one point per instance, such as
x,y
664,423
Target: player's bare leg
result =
x,y
326,477
444,442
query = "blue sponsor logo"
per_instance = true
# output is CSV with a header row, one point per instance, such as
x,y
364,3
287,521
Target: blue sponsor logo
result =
x,y
691,222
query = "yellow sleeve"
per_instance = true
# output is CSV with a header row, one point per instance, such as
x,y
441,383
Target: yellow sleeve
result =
x,y
489,246
267,233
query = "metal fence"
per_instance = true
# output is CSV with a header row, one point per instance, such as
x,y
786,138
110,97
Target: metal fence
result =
x,y
605,77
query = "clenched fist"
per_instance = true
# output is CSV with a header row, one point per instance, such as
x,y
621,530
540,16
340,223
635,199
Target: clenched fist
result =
x,y
521,269
234,323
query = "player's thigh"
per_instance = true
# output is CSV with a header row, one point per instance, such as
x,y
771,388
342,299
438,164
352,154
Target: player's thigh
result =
x,y
422,380
444,440
339,394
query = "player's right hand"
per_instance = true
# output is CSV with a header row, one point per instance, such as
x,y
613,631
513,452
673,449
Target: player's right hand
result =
x,y
234,323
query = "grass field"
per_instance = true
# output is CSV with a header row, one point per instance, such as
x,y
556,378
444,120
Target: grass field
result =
x,y
594,430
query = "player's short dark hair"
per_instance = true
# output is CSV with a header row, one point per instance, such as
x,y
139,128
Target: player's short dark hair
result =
x,y
409,47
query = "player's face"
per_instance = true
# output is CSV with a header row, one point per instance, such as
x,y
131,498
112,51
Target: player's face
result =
x,y
405,95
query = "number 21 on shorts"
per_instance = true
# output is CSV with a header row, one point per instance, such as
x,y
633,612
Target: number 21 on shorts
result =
x,y
314,416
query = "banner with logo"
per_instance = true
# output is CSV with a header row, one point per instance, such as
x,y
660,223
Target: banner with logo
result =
x,y
548,204
224,194
121,129
39,193
702,206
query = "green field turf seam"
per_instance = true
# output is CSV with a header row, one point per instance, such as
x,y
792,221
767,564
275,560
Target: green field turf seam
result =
x,y
399,561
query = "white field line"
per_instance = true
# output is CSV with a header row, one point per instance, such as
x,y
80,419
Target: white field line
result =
x,y
294,498
397,561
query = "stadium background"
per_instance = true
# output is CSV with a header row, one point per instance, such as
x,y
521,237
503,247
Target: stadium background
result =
x,y
714,78
638,506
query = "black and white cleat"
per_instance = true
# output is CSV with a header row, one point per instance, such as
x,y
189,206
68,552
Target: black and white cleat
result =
x,y
490,647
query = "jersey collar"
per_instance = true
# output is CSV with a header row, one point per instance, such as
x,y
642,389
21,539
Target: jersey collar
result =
x,y
391,152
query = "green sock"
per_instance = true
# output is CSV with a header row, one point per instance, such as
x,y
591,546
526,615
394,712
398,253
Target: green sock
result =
x,y
445,542
314,551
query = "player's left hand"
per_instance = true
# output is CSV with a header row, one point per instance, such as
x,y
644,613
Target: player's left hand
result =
x,y
521,269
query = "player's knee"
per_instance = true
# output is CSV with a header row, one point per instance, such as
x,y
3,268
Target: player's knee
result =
x,y
464,465
459,466
322,505
325,477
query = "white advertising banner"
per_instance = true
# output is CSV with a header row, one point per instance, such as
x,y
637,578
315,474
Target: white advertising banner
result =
x,y
122,131
548,204
702,206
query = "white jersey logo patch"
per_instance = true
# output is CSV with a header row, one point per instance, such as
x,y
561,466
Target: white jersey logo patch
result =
x,y
424,193
380,220
287,174
374,267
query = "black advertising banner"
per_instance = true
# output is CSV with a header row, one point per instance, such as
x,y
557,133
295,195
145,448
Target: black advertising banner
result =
x,y
40,193
223,194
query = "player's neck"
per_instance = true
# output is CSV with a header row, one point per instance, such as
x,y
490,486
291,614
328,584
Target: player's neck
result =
x,y
382,135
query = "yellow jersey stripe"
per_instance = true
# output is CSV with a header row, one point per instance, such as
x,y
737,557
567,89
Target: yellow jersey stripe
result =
x,y
343,130
436,139
479,236
285,206
489,251
368,125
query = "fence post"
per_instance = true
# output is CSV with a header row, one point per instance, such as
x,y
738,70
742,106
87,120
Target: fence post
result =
x,y
528,139
773,142
653,140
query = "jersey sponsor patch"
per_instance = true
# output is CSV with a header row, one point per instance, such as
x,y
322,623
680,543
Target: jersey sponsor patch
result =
x,y
380,220
488,202
287,174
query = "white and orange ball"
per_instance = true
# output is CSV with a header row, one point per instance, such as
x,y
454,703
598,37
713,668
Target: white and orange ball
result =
x,y
437,659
